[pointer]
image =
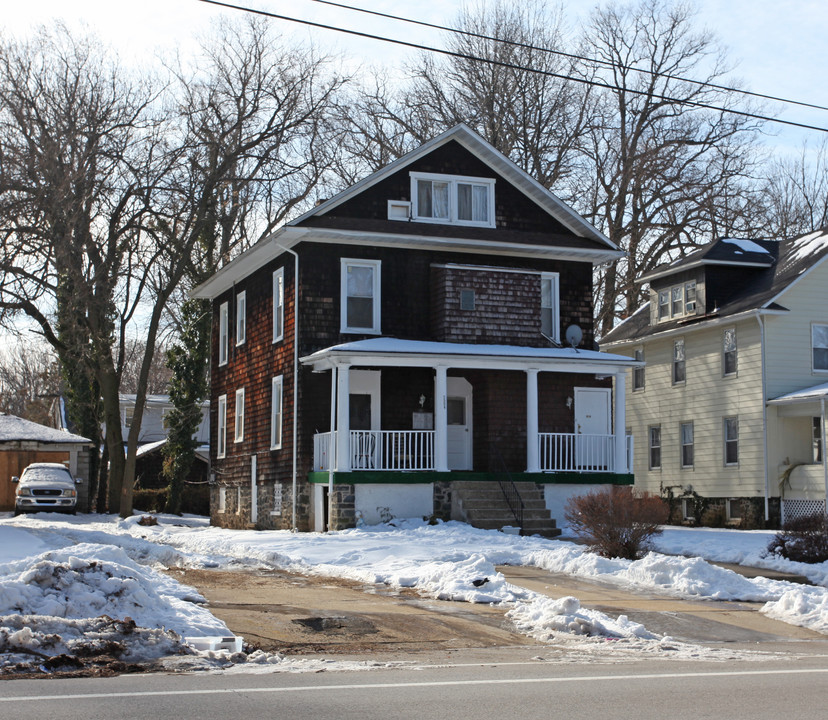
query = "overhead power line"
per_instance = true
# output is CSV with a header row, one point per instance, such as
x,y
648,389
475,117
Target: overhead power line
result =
x,y
571,56
500,63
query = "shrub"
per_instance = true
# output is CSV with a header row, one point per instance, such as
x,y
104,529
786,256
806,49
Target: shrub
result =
x,y
616,522
802,540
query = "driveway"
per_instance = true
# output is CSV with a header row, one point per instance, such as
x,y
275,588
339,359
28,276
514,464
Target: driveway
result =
x,y
314,616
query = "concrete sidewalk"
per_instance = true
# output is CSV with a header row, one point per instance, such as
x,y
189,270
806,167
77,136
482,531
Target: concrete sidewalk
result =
x,y
697,621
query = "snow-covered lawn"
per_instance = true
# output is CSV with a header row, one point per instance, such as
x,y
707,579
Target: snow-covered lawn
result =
x,y
60,575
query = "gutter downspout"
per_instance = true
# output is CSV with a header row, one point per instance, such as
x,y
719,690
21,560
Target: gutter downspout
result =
x,y
764,414
295,373
824,456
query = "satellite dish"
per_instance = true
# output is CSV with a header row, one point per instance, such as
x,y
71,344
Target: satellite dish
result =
x,y
574,335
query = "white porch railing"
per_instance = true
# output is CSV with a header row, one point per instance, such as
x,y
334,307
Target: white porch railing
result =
x,y
380,450
560,452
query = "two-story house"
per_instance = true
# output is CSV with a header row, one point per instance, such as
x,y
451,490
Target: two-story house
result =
x,y
438,343
729,413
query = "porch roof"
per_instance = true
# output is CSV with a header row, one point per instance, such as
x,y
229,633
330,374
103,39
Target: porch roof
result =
x,y
815,393
393,352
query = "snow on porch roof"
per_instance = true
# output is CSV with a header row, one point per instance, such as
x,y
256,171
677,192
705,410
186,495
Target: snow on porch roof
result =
x,y
810,394
16,429
421,353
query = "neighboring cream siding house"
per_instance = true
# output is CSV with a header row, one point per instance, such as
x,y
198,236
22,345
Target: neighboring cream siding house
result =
x,y
728,414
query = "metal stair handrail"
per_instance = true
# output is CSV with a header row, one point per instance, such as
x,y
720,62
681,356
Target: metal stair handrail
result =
x,y
510,491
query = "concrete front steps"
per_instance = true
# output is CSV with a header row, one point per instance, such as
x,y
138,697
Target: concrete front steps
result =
x,y
482,505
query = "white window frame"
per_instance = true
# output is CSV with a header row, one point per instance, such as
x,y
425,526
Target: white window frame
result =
x,y
691,445
639,377
672,302
276,411
241,317
278,305
129,416
554,279
663,312
814,368
376,266
221,427
224,334
222,500
652,446
674,364
453,181
725,351
726,440
238,424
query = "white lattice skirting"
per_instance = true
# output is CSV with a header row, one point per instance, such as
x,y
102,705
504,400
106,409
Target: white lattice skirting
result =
x,y
795,509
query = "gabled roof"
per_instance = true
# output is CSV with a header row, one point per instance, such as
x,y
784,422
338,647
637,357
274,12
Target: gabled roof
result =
x,y
15,429
586,243
777,266
496,160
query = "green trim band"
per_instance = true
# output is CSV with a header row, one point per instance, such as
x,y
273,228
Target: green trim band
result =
x,y
382,477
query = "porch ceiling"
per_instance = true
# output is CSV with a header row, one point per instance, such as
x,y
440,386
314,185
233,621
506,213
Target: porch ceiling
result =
x,y
391,352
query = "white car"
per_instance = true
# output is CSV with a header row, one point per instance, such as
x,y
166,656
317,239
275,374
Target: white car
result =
x,y
45,487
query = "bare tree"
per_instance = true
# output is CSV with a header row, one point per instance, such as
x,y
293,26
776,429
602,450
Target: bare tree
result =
x,y
795,195
660,174
76,175
29,381
256,138
106,208
502,81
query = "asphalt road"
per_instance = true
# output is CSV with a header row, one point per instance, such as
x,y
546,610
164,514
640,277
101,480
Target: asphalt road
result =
x,y
642,690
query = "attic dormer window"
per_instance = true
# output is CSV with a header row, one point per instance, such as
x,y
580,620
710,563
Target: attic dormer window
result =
x,y
677,301
452,199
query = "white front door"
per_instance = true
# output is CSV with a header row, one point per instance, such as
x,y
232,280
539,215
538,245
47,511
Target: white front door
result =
x,y
364,414
459,412
592,419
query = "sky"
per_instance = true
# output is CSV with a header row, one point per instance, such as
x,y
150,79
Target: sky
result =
x,y
779,48
60,574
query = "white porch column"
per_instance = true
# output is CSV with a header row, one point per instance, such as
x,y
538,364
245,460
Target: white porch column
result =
x,y
440,420
343,425
621,423
532,450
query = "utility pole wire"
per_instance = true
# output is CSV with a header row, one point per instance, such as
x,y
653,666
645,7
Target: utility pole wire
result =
x,y
500,63
571,56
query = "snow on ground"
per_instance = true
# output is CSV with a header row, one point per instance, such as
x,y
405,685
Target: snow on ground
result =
x,y
60,575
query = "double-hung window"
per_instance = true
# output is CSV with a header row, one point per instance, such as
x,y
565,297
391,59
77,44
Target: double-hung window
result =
x,y
452,199
224,339
550,303
638,372
238,427
663,304
221,429
687,444
276,413
819,345
655,447
241,317
360,300
729,356
278,304
679,362
731,441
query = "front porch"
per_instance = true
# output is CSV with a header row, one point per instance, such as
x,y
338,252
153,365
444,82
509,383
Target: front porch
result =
x,y
415,407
